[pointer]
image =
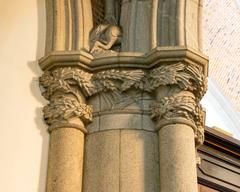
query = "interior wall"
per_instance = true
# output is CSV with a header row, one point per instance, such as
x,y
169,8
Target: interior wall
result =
x,y
24,137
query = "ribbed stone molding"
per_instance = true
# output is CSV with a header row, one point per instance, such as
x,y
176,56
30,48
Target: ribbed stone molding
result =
x,y
174,79
68,25
149,24
145,24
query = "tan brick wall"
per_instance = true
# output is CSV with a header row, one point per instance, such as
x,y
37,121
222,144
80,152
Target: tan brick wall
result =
x,y
221,42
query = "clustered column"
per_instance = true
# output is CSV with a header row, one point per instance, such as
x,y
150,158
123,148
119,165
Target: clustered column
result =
x,y
82,65
173,90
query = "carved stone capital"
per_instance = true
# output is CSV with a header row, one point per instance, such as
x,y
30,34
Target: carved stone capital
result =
x,y
180,108
64,111
178,89
66,89
186,77
177,86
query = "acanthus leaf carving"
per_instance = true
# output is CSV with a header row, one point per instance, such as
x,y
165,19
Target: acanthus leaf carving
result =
x,y
120,80
174,106
114,85
71,81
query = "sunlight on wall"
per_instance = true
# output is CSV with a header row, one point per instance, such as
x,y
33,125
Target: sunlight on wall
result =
x,y
23,139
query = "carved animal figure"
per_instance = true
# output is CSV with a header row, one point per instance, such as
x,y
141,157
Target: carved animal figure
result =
x,y
104,36
107,33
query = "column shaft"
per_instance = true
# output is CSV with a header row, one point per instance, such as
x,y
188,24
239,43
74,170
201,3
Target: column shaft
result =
x,y
65,160
177,159
121,161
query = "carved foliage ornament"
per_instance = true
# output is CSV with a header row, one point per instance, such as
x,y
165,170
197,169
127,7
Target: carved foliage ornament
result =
x,y
185,76
61,79
181,106
63,108
66,88
66,101
79,84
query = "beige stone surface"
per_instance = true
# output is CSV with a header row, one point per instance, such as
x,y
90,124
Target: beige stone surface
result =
x,y
94,101
139,162
94,126
101,162
127,110
65,160
135,21
178,23
130,99
121,121
121,160
147,123
192,13
177,159
146,104
68,25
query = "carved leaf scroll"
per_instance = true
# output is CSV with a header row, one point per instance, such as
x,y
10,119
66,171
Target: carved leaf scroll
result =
x,y
61,79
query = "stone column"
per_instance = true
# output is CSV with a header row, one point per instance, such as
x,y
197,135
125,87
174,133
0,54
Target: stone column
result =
x,y
66,115
179,120
67,32
122,144
121,148
121,152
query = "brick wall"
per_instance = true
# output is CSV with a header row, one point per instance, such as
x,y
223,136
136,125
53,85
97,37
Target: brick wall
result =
x,y
221,42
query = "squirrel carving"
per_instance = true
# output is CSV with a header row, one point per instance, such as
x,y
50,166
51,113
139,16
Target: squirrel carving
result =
x,y
104,37
107,34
